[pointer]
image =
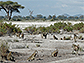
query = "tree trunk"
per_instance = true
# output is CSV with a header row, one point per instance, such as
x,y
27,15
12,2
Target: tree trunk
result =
x,y
8,16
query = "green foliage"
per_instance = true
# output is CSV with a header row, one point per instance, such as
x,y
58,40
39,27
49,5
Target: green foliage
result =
x,y
3,47
16,40
10,7
60,25
67,28
56,28
78,26
81,30
19,19
4,28
52,19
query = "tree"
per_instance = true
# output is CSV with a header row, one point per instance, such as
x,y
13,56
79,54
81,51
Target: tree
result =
x,y
49,17
53,16
10,7
30,12
39,16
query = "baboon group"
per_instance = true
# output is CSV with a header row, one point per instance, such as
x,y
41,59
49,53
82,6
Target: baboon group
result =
x,y
32,57
76,48
20,35
44,35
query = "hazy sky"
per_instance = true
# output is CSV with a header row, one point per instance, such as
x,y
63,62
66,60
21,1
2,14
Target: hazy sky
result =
x,y
50,7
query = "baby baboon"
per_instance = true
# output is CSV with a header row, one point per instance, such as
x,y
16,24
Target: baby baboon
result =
x,y
55,37
44,35
54,53
32,57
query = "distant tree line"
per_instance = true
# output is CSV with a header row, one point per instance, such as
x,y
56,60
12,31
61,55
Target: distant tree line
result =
x,y
41,17
9,7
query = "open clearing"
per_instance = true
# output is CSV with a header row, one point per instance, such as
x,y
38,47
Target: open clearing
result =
x,y
47,46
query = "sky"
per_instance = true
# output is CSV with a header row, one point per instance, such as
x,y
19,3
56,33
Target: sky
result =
x,y
49,7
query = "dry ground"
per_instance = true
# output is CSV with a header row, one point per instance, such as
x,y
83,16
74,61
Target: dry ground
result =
x,y
47,46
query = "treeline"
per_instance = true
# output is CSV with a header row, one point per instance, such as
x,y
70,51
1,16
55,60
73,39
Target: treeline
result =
x,y
41,17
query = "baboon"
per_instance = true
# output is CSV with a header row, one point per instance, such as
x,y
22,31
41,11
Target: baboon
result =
x,y
10,57
54,53
64,38
4,54
55,37
22,35
18,35
67,38
75,37
32,57
80,37
76,48
44,35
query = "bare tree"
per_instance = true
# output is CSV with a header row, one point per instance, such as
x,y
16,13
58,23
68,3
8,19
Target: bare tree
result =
x,y
30,13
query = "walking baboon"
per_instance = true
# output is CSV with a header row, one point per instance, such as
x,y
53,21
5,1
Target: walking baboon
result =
x,y
54,53
32,57
75,37
55,37
10,57
44,35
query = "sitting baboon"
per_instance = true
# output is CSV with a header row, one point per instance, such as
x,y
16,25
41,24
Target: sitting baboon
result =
x,y
32,57
55,37
44,35
67,38
64,38
76,48
18,35
54,53
80,37
22,35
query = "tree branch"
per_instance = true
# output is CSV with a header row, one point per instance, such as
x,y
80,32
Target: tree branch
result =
x,y
3,8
